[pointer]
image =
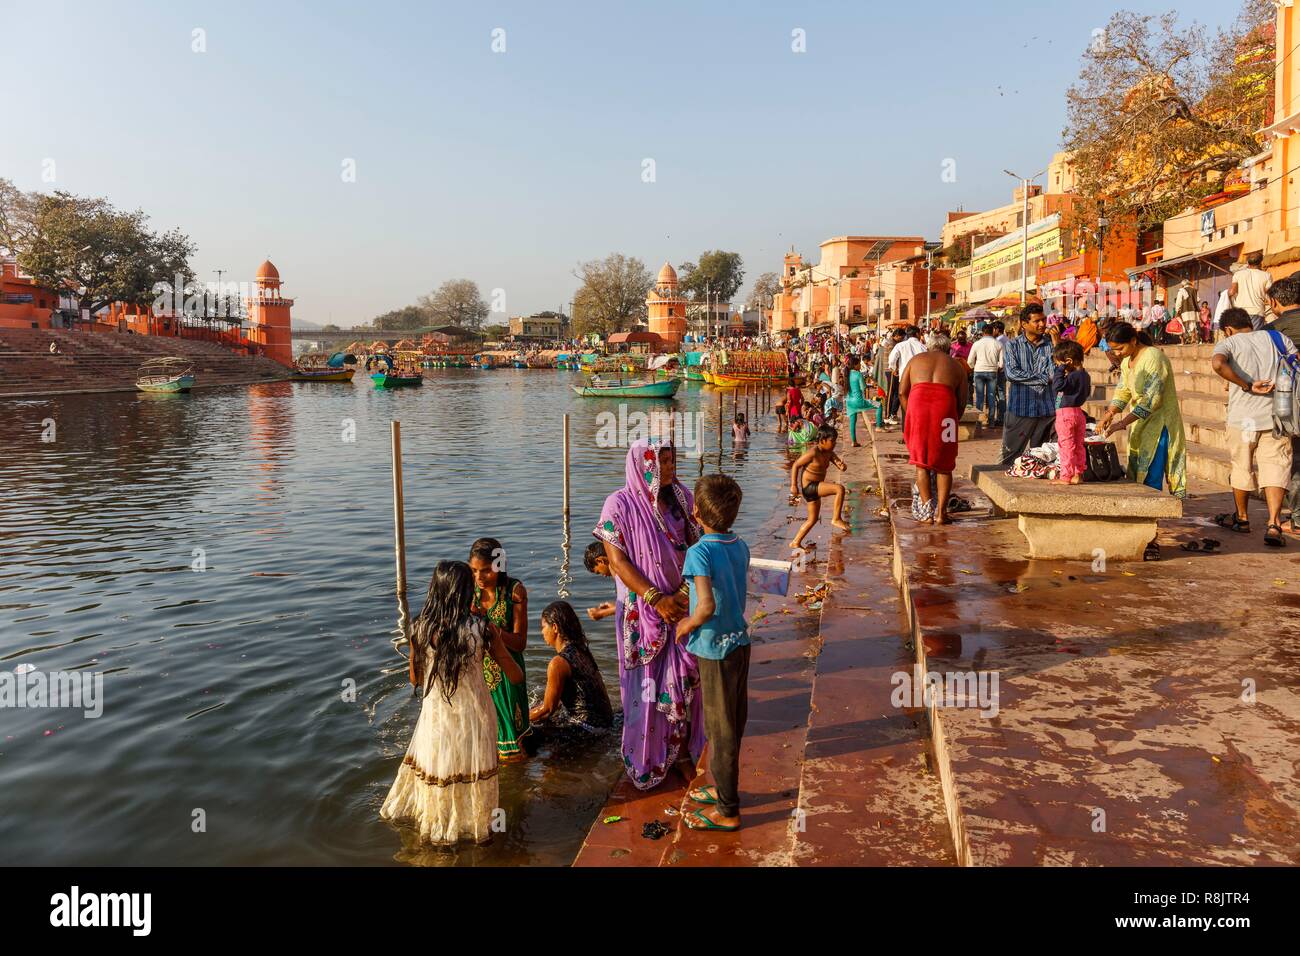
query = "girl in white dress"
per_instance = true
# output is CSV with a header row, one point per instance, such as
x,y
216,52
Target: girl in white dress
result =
x,y
447,784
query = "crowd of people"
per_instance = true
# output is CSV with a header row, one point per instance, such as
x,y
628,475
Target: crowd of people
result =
x,y
680,572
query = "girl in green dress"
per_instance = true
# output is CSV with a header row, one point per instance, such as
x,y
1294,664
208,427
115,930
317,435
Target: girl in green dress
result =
x,y
504,602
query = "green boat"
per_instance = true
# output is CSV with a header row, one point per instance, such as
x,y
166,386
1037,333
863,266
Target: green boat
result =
x,y
170,374
599,389
393,379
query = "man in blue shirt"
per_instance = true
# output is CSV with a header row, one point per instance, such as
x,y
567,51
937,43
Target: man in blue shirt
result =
x,y
717,571
1031,403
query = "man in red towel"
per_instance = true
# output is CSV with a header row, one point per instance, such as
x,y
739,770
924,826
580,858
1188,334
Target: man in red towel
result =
x,y
933,391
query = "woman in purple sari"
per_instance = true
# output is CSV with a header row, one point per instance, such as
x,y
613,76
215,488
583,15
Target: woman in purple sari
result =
x,y
646,528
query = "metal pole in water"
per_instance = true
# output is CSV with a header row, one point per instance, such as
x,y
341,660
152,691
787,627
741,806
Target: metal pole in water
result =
x,y
566,467
399,529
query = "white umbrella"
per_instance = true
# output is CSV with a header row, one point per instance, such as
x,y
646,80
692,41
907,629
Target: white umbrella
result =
x,y
659,361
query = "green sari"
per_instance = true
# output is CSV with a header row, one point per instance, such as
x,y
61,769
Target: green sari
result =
x,y
1148,386
511,700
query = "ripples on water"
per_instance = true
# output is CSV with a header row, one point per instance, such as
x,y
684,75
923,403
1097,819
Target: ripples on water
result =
x,y
223,690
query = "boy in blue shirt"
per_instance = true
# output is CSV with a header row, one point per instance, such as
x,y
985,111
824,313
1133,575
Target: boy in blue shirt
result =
x,y
717,571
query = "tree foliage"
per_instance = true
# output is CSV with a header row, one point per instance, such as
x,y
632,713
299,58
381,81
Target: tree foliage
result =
x,y
1159,115
456,302
612,295
765,286
717,272
86,246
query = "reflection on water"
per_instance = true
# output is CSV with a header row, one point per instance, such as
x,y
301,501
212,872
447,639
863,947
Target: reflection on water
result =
x,y
225,558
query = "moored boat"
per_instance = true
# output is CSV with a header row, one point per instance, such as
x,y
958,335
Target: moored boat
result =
x,y
598,389
394,378
301,374
167,375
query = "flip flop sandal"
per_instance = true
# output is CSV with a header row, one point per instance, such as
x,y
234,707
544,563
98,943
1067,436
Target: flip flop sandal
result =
x,y
1190,546
957,505
1230,521
1210,544
1274,540
706,800
708,824
1152,552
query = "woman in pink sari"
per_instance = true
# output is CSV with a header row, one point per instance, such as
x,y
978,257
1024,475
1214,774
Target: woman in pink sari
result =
x,y
646,528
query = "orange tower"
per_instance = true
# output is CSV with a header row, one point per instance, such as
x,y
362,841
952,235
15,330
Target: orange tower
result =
x,y
666,307
268,316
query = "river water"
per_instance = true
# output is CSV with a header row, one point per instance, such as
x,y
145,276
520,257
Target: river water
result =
x,y
225,736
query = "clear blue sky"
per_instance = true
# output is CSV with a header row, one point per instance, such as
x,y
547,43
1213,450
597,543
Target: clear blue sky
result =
x,y
511,168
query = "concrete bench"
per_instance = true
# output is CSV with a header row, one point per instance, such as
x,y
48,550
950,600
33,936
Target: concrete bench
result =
x,y
1073,522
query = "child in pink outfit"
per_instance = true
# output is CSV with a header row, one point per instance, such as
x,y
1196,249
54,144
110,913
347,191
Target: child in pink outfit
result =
x,y
1072,385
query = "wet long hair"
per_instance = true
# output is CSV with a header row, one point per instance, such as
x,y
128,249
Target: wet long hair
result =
x,y
441,643
561,616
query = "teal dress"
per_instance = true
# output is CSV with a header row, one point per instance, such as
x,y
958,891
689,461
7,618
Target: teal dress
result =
x,y
510,700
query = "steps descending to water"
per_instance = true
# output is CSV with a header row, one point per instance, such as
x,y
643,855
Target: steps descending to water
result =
x,y
99,362
832,773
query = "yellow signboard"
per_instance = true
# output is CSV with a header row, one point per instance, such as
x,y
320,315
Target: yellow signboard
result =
x,y
1041,245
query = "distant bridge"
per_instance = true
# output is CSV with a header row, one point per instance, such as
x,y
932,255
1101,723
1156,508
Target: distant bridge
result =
x,y
360,335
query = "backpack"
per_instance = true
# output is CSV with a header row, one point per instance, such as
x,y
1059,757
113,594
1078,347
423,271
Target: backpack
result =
x,y
1286,414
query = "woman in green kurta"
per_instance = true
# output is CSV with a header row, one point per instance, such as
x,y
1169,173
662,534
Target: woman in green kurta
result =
x,y
504,602
1147,400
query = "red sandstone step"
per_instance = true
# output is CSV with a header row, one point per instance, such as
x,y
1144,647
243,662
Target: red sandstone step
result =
x,y
869,795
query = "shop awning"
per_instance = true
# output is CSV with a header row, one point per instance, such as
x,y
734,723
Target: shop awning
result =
x,y
1178,261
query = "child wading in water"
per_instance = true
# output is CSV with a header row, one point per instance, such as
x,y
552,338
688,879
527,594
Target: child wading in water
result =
x,y
573,682
739,430
597,563
813,466
716,571
1072,384
447,783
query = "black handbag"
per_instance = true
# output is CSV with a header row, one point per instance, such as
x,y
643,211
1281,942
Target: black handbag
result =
x,y
1103,462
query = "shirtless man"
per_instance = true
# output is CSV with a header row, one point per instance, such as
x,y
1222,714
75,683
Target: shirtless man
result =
x,y
933,390
813,465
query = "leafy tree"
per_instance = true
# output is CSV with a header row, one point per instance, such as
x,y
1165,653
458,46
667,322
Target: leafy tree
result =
x,y
17,215
1160,115
766,285
456,302
612,295
402,320
720,273
85,245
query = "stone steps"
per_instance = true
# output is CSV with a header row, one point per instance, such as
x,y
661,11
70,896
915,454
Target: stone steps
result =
x,y
92,361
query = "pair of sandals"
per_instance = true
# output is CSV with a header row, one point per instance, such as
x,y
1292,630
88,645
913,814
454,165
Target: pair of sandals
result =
x,y
709,800
1272,534
1208,545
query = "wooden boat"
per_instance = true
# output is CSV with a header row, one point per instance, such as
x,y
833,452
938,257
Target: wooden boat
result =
x,y
396,379
169,375
693,373
598,389
301,374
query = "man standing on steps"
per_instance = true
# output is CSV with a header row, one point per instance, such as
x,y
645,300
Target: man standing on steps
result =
x,y
934,391
1249,290
1031,403
1284,297
903,353
1260,459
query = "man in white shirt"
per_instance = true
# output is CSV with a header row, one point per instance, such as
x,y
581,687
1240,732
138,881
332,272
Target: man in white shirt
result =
x,y
1249,290
904,352
985,360
1250,361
